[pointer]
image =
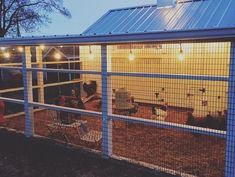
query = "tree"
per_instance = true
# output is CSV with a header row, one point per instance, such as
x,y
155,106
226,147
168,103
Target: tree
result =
x,y
27,15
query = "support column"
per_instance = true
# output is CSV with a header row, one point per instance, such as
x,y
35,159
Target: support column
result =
x,y
28,92
106,105
40,80
230,145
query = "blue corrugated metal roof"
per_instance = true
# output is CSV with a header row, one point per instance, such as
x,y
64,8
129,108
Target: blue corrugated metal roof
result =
x,y
204,14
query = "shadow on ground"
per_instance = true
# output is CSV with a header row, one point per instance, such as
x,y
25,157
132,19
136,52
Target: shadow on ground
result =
x,y
35,157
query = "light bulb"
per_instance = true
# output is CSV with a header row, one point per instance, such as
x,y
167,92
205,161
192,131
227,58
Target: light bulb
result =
x,y
131,56
181,57
20,49
91,56
57,56
7,55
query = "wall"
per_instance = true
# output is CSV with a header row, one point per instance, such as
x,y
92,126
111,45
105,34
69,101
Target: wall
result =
x,y
200,59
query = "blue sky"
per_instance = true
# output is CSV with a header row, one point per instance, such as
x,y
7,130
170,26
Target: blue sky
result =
x,y
84,13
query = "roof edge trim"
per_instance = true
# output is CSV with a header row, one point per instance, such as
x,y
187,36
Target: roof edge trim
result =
x,y
164,36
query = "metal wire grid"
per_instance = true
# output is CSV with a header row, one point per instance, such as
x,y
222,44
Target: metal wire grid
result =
x,y
186,76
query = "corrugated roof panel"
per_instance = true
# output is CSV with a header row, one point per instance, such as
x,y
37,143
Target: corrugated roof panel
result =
x,y
204,14
117,22
226,19
219,13
166,14
208,14
143,17
133,19
153,19
103,29
200,11
159,24
178,14
189,13
146,21
129,19
95,27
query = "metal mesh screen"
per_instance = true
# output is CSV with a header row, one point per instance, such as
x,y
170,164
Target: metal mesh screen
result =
x,y
166,106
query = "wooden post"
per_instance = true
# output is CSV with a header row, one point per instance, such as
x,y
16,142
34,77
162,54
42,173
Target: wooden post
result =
x,y
40,80
106,105
28,92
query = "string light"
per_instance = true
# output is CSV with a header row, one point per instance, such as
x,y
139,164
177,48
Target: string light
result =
x,y
6,55
131,56
57,56
181,55
91,56
20,49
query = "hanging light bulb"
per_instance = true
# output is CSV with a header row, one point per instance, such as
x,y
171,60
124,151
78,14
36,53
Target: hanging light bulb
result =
x,y
57,56
181,55
91,56
131,56
6,55
20,49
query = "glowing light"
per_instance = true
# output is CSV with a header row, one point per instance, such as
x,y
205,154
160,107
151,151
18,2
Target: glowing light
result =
x,y
57,56
42,47
91,56
20,49
7,55
131,56
181,56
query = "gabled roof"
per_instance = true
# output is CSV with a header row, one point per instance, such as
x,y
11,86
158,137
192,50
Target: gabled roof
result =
x,y
184,16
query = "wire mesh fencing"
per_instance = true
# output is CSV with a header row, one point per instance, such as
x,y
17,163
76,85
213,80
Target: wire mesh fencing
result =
x,y
163,105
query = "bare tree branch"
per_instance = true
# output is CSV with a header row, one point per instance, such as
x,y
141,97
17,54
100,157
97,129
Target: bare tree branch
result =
x,y
28,15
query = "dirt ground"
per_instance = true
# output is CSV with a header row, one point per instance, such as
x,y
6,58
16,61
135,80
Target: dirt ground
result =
x,y
22,157
197,155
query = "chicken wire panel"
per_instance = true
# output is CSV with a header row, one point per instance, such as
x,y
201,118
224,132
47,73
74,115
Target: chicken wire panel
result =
x,y
150,81
173,58
167,150
61,75
11,88
187,102
69,127
12,115
181,86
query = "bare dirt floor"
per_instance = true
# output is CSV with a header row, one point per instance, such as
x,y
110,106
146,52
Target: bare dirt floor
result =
x,y
197,155
35,157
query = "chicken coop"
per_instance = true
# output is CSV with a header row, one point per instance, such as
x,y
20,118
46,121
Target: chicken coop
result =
x,y
153,85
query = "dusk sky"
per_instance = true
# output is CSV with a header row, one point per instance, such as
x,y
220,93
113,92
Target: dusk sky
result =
x,y
84,13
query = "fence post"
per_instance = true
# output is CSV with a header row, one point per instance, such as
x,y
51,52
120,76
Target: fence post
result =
x,y
40,75
106,105
230,145
28,92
